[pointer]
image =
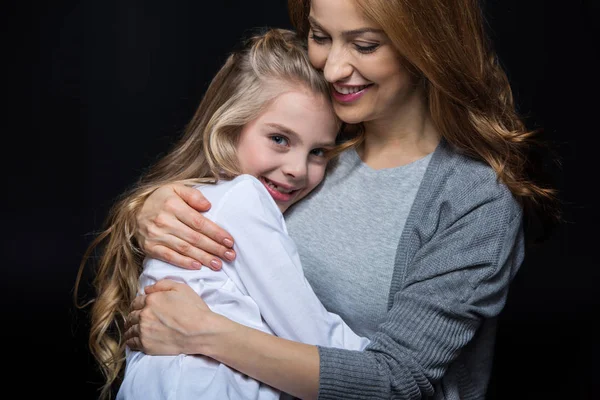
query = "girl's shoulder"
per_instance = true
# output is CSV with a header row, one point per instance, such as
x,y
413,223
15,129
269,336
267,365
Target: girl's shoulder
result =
x,y
244,192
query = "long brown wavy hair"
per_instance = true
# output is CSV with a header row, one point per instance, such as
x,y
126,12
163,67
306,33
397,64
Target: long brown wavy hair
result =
x,y
267,65
468,92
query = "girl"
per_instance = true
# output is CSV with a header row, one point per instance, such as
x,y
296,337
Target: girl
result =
x,y
413,238
259,142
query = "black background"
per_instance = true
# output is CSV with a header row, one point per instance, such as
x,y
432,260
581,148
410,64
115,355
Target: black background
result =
x,y
95,91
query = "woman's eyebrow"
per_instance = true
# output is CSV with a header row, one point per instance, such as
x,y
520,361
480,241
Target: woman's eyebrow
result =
x,y
353,32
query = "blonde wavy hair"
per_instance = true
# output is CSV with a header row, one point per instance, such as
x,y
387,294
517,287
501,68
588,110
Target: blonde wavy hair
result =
x,y
267,65
469,96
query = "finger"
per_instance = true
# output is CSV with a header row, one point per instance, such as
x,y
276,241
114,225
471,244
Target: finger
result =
x,y
131,332
170,256
162,286
193,197
134,343
179,237
206,250
199,223
132,319
168,225
201,249
191,254
138,303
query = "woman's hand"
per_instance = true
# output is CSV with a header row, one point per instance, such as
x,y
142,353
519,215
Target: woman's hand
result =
x,y
167,319
171,229
172,319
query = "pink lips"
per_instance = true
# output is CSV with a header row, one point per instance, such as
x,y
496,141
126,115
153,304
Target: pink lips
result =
x,y
277,195
348,98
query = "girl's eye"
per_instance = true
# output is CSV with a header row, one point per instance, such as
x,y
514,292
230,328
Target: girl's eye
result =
x,y
318,152
366,49
280,140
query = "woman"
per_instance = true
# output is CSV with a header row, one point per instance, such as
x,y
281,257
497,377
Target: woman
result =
x,y
430,208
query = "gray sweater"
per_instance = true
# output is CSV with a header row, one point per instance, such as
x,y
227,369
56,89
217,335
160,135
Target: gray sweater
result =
x,y
459,248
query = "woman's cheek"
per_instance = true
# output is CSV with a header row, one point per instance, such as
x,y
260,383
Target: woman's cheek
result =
x,y
317,55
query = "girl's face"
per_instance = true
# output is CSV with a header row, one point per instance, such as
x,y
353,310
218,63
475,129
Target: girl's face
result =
x,y
369,81
285,146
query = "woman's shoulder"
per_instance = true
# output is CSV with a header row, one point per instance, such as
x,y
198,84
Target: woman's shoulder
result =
x,y
457,165
456,178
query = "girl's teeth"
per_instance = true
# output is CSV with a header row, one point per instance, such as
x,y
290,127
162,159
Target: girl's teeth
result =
x,y
278,188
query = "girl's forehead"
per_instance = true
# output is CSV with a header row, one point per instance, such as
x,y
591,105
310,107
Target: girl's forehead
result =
x,y
301,113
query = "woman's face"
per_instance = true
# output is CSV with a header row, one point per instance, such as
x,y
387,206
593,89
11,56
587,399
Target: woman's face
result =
x,y
368,79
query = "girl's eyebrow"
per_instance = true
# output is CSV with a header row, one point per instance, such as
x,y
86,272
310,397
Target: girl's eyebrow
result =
x,y
283,129
354,32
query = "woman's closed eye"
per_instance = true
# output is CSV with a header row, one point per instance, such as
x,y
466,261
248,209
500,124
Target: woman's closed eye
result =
x,y
317,37
366,48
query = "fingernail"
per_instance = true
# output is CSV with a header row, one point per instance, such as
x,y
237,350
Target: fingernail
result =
x,y
229,255
227,242
196,265
215,264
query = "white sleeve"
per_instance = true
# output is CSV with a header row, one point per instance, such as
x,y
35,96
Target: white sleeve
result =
x,y
268,265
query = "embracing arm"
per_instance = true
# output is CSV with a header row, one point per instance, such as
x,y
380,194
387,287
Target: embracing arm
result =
x,y
171,228
268,269
281,363
172,319
270,272
457,278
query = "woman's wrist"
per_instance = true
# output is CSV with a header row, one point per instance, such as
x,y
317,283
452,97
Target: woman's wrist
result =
x,y
210,338
287,365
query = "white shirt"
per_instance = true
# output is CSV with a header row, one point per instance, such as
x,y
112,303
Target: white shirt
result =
x,y
263,288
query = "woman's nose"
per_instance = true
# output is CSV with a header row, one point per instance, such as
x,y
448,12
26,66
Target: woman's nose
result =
x,y
337,65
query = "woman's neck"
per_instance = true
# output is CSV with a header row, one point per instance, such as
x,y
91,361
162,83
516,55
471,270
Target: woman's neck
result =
x,y
404,138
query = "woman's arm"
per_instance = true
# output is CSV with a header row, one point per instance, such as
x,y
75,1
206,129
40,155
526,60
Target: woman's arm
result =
x,y
172,319
268,269
463,260
278,362
169,225
271,273
457,279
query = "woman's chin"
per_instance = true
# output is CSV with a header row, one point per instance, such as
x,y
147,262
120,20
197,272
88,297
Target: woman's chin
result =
x,y
349,115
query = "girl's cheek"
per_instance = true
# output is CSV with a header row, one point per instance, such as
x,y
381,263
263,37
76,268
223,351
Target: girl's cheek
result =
x,y
317,175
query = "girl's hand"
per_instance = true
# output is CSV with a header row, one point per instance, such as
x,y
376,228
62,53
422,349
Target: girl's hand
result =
x,y
171,229
166,319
